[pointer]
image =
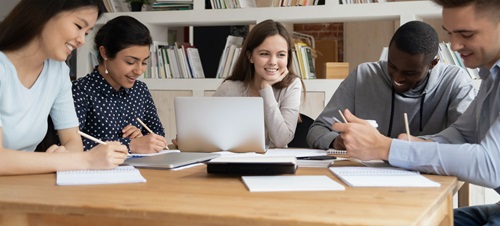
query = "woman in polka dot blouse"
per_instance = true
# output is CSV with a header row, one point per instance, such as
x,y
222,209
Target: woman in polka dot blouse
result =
x,y
264,68
109,100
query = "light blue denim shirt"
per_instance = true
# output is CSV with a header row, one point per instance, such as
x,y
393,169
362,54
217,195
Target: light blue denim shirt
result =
x,y
469,148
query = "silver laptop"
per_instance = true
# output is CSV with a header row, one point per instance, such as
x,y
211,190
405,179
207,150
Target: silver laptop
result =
x,y
170,160
212,124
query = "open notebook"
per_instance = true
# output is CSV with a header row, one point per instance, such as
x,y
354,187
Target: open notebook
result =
x,y
359,176
118,175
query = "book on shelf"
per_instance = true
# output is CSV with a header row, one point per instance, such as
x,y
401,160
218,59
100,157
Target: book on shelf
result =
x,y
182,60
305,60
232,4
174,65
361,176
165,5
229,61
230,40
289,3
360,1
194,60
311,72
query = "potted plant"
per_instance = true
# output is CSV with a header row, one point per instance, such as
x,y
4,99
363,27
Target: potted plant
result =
x,y
136,5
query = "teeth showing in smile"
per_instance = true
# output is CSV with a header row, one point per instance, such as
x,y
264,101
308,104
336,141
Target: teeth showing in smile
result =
x,y
131,78
70,47
398,84
272,69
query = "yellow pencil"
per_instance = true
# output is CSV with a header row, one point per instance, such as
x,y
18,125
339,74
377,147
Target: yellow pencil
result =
x,y
407,126
91,138
148,129
144,125
345,120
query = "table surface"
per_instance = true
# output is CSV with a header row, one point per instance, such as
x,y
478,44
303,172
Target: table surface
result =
x,y
191,196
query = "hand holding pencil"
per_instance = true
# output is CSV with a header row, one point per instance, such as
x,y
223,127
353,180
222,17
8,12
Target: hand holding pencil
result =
x,y
151,132
107,155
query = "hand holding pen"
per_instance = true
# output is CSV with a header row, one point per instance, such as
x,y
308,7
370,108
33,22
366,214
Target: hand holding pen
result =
x,y
361,139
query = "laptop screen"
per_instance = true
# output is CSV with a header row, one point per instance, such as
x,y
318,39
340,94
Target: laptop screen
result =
x,y
212,124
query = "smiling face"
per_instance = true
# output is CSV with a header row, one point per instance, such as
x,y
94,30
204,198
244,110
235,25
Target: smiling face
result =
x,y
126,67
406,71
475,37
270,58
66,31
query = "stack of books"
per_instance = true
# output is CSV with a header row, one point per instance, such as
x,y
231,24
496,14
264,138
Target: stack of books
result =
x,y
232,4
287,3
303,60
174,61
164,5
229,56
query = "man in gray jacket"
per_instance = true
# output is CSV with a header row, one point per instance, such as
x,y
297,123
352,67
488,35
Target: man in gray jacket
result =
x,y
411,81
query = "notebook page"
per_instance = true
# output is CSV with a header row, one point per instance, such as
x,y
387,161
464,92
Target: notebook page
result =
x,y
381,177
290,183
118,175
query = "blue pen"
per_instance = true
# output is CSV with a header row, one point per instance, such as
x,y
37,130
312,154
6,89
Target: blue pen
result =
x,y
135,156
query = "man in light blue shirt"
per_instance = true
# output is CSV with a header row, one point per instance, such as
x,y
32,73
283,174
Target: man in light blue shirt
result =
x,y
470,147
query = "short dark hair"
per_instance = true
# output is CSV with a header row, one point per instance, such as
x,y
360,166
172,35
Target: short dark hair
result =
x,y
417,37
244,70
28,18
489,8
121,33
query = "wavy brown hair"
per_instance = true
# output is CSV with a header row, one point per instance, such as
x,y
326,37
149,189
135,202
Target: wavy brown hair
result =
x,y
244,70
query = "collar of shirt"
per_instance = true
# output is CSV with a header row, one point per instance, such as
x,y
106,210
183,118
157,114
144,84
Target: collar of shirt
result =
x,y
104,87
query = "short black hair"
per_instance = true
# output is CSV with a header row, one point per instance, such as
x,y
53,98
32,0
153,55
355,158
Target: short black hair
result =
x,y
488,8
121,33
417,37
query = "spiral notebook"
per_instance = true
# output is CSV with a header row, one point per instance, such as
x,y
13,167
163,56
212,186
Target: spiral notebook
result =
x,y
118,175
381,177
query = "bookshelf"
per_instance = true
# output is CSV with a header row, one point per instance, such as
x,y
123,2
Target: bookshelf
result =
x,y
160,22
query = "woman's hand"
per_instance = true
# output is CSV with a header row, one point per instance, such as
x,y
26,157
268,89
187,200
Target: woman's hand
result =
x,y
131,132
106,156
56,149
150,143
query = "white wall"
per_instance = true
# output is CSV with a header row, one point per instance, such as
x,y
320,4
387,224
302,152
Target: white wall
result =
x,y
6,6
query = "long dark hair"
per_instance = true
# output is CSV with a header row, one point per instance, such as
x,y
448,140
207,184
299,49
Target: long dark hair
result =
x,y
28,18
244,70
121,33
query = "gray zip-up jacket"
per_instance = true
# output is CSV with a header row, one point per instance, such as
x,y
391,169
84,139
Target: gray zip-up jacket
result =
x,y
367,92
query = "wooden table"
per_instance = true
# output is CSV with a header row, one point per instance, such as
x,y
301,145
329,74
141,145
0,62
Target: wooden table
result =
x,y
191,197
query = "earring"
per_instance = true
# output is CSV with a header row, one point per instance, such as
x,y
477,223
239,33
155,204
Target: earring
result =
x,y
105,66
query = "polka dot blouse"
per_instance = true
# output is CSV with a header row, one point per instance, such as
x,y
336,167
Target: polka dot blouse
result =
x,y
103,112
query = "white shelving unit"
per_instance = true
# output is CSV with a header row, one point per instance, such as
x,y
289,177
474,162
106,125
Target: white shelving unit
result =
x,y
160,21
